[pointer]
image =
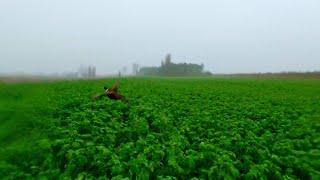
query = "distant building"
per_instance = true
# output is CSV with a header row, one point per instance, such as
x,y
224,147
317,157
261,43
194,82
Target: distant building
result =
x,y
168,68
87,72
135,69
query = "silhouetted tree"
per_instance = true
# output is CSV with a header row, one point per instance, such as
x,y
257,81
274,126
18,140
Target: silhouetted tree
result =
x,y
168,59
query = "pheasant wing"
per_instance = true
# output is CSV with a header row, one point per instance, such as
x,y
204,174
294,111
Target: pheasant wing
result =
x,y
115,87
98,96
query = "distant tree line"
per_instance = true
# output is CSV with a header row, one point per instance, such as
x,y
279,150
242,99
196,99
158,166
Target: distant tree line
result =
x,y
168,68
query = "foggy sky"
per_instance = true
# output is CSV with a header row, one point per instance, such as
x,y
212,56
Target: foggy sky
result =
x,y
228,36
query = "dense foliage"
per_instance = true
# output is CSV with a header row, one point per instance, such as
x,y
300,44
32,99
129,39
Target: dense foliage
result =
x,y
175,128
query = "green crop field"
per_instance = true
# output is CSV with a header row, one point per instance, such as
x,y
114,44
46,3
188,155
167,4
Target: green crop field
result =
x,y
172,128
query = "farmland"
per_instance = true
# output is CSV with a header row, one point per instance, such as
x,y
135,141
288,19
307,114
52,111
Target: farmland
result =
x,y
172,128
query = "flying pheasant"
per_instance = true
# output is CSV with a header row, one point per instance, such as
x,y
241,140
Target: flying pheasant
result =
x,y
111,93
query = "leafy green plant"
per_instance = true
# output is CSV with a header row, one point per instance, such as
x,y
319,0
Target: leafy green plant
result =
x,y
172,128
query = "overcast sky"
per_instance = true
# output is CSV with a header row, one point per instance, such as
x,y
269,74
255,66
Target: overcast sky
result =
x,y
228,36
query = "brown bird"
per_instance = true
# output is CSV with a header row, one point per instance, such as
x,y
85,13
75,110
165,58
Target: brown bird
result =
x,y
111,93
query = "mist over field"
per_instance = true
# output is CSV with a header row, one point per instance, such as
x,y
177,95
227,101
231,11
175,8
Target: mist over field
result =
x,y
46,37
166,90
